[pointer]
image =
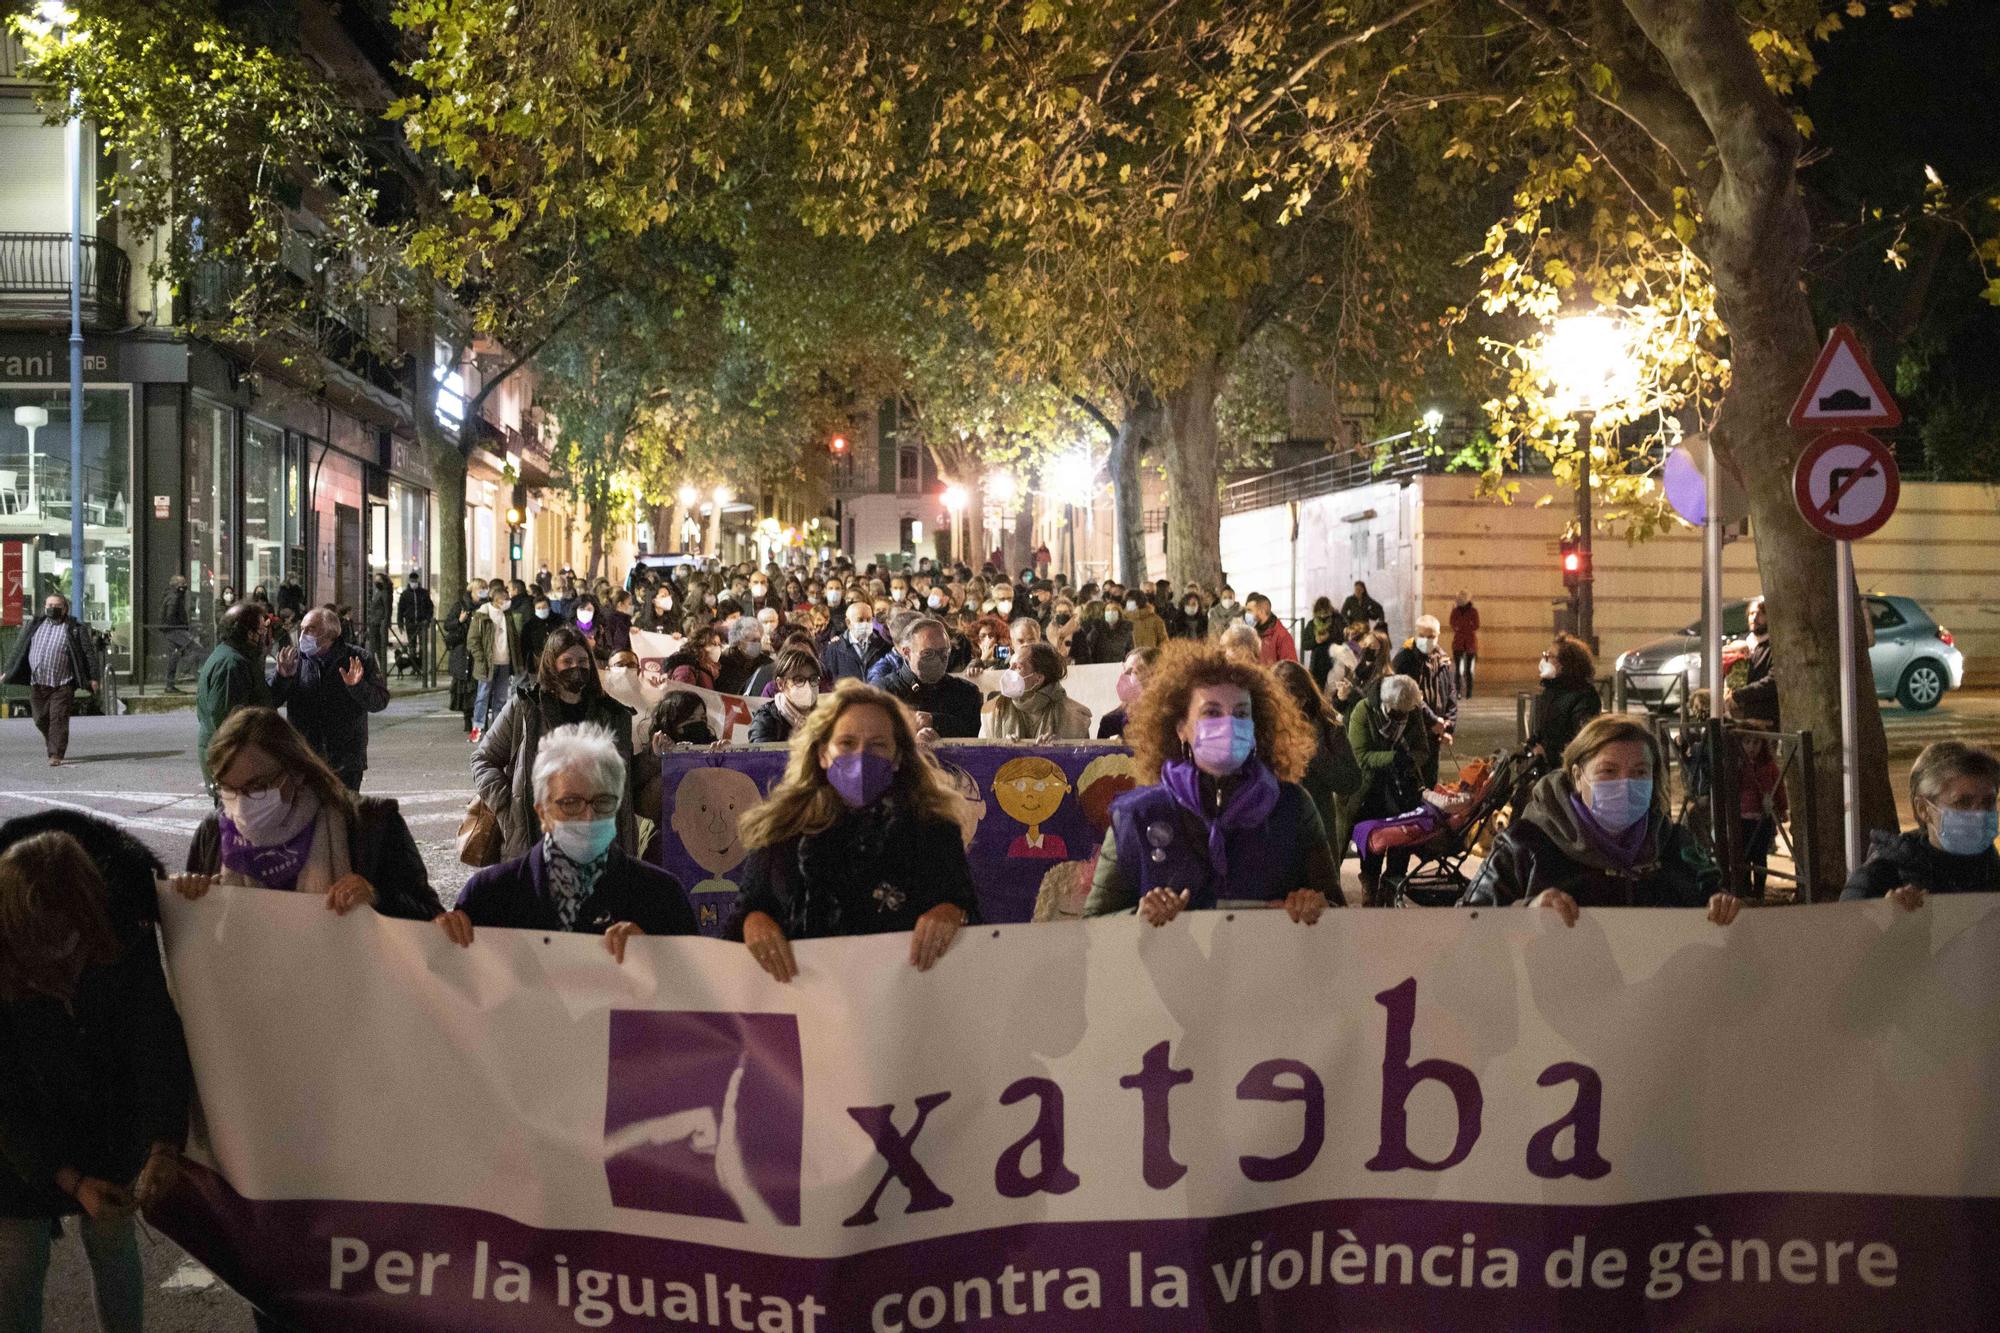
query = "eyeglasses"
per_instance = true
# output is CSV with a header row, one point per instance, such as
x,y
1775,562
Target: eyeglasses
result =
x,y
576,807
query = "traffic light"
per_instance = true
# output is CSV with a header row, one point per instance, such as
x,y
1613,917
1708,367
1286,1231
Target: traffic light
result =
x,y
514,545
1575,563
838,445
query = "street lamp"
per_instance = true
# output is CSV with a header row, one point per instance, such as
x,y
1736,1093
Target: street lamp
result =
x,y
722,496
60,17
1586,359
1002,487
1433,420
32,419
955,500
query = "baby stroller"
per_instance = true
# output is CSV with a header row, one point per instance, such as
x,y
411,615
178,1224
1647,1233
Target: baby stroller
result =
x,y
1456,821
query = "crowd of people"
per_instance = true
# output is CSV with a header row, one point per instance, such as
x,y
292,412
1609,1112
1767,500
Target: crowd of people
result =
x,y
1253,769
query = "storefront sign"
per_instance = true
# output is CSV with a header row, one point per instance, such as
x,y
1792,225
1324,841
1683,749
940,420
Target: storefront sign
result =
x,y
1388,1120
408,461
43,360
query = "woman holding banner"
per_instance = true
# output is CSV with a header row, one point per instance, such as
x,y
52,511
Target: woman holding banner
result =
x,y
287,822
1953,787
95,1074
565,691
1224,819
797,677
860,837
1595,833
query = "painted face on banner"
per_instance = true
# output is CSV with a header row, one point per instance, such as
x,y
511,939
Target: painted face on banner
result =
x,y
1030,789
707,805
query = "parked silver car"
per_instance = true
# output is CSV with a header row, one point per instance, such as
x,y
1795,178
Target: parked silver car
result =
x,y
1915,660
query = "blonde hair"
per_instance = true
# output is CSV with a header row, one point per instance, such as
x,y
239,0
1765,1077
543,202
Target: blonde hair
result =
x,y
804,801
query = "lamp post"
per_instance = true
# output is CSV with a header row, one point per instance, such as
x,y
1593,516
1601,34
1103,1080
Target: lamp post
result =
x,y
1586,358
58,16
31,419
954,502
722,496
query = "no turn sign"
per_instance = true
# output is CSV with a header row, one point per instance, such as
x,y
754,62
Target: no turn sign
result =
x,y
1846,484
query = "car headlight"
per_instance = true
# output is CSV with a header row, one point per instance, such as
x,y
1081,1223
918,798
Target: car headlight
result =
x,y
1676,665
1624,660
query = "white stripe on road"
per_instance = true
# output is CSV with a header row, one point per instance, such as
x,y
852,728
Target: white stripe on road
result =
x,y
129,821
190,1276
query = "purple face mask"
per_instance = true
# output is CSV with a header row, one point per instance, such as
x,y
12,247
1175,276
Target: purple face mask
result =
x,y
1223,744
860,778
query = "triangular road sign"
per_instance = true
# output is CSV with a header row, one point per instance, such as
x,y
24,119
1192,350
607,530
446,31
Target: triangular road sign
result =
x,y
1844,390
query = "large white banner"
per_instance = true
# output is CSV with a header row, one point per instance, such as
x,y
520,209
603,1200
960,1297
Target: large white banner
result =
x,y
1416,1119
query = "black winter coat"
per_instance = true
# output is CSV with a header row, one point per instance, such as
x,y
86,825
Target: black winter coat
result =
x,y
94,1084
872,872
1545,849
1561,710
331,714
379,849
82,663
1896,859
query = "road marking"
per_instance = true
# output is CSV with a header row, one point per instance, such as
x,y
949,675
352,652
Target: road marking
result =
x,y
128,821
190,1276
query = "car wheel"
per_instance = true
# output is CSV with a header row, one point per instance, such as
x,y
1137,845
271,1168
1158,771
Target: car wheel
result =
x,y
1922,687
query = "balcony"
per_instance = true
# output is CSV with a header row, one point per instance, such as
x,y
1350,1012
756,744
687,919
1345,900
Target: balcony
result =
x,y
34,279
332,333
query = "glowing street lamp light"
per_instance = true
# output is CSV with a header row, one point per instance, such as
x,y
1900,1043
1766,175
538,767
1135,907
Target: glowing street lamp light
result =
x,y
1589,363
1433,420
723,495
1002,488
688,496
955,498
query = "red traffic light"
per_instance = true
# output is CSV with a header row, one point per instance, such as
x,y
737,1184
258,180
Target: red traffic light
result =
x,y
1573,563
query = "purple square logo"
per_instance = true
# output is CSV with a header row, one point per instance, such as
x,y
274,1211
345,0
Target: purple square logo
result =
x,y
704,1115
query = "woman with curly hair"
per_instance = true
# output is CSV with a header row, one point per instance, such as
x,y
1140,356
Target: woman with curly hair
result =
x,y
860,837
1224,819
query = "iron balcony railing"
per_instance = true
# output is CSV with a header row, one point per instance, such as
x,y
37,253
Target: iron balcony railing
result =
x,y
1323,476
34,278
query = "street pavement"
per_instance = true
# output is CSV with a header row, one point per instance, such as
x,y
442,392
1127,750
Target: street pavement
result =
x,y
140,770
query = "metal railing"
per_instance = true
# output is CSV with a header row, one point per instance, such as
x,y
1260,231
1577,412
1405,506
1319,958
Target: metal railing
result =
x,y
1335,472
35,277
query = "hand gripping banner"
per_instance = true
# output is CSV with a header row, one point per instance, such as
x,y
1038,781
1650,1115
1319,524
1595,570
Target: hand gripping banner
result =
x,y
1411,1120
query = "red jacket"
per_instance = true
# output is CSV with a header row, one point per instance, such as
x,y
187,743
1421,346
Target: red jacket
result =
x,y
1278,645
1465,629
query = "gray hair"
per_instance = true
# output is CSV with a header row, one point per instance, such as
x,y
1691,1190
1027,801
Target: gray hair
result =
x,y
917,625
1400,694
1942,761
584,747
739,630
1242,636
1428,621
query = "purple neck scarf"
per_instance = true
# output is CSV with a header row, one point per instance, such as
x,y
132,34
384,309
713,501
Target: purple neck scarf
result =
x,y
1619,849
276,866
1248,805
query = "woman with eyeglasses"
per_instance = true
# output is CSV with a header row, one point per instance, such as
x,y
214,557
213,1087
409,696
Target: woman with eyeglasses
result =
x,y
287,822
576,878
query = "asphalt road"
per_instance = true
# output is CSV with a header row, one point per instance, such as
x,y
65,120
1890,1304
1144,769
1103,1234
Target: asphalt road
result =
x,y
141,771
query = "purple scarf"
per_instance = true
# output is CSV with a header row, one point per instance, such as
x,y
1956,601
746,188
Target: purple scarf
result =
x,y
1249,805
1618,849
276,866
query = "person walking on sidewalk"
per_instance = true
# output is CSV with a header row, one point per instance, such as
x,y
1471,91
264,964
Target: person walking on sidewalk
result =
x,y
414,612
1465,643
52,657
495,645
176,631
377,611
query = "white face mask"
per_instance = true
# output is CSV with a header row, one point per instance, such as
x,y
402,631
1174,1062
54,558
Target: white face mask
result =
x,y
1548,669
1013,684
265,817
1003,607
833,597
935,601
1110,615
803,696
861,633
1426,643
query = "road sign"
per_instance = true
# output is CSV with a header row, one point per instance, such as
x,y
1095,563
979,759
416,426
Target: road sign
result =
x,y
1843,389
1685,477
1846,484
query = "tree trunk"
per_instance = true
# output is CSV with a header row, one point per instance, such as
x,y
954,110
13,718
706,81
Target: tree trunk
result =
x,y
1756,236
1194,498
1139,424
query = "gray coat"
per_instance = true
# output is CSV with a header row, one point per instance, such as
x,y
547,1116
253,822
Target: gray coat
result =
x,y
503,765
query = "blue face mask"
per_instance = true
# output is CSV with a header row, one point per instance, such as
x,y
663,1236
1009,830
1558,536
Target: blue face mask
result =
x,y
308,645
1223,745
584,840
1619,803
1967,832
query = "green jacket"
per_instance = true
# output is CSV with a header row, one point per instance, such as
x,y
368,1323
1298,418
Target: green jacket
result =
x,y
230,679
479,643
1375,754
